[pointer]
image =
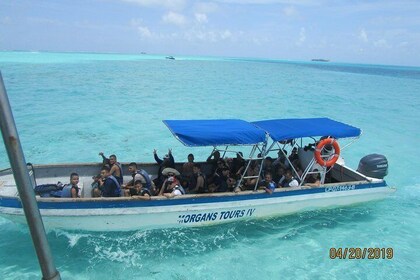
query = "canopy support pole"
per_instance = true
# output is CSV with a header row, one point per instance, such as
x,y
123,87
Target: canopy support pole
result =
x,y
25,187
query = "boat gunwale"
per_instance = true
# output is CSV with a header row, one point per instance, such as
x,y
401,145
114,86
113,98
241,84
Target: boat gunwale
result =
x,y
199,196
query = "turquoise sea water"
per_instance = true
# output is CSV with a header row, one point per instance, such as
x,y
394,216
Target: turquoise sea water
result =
x,y
68,107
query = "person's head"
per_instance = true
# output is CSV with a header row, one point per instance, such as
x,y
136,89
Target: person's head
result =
x,y
231,181
216,154
294,151
220,163
96,178
280,154
105,172
112,159
74,178
268,177
268,161
172,181
226,172
196,168
190,158
281,171
138,184
288,174
132,167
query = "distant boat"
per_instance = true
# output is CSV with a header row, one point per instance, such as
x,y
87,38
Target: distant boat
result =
x,y
320,60
170,57
143,53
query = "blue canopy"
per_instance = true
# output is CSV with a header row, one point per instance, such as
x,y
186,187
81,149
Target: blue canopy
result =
x,y
215,132
285,129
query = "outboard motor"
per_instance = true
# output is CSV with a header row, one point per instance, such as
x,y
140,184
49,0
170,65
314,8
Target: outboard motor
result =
x,y
374,165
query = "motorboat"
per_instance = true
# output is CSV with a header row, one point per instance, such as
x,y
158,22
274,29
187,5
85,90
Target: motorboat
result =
x,y
314,142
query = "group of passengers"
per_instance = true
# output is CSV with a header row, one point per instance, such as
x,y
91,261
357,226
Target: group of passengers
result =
x,y
223,176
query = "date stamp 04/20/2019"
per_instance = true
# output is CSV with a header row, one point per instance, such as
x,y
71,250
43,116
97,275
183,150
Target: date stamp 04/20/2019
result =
x,y
358,253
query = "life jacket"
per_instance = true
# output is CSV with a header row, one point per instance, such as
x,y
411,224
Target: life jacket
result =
x,y
146,177
180,188
117,191
66,192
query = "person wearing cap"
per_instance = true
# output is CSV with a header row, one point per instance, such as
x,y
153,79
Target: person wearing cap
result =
x,y
175,187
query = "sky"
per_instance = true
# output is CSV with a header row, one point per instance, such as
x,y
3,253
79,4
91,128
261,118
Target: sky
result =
x,y
354,31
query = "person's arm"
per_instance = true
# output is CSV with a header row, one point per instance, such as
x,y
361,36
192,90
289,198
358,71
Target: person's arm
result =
x,y
113,169
200,183
105,160
171,159
162,189
106,188
157,159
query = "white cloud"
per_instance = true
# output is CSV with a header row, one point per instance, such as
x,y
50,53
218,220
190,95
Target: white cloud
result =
x,y
200,18
205,7
174,18
363,35
225,34
302,36
168,4
265,2
204,35
144,32
290,11
381,43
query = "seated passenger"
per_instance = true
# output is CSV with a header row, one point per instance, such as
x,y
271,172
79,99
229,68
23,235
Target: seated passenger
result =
x,y
95,183
213,159
220,181
198,184
108,185
279,175
137,175
267,166
72,189
313,180
187,169
140,191
231,184
238,165
268,184
289,180
115,167
281,160
175,188
294,155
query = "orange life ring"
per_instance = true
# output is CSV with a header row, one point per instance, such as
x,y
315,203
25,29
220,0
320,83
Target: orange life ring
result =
x,y
320,147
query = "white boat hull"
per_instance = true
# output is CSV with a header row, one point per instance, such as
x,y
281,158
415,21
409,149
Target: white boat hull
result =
x,y
130,214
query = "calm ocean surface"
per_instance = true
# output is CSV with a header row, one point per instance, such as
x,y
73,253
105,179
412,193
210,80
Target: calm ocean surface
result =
x,y
70,106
